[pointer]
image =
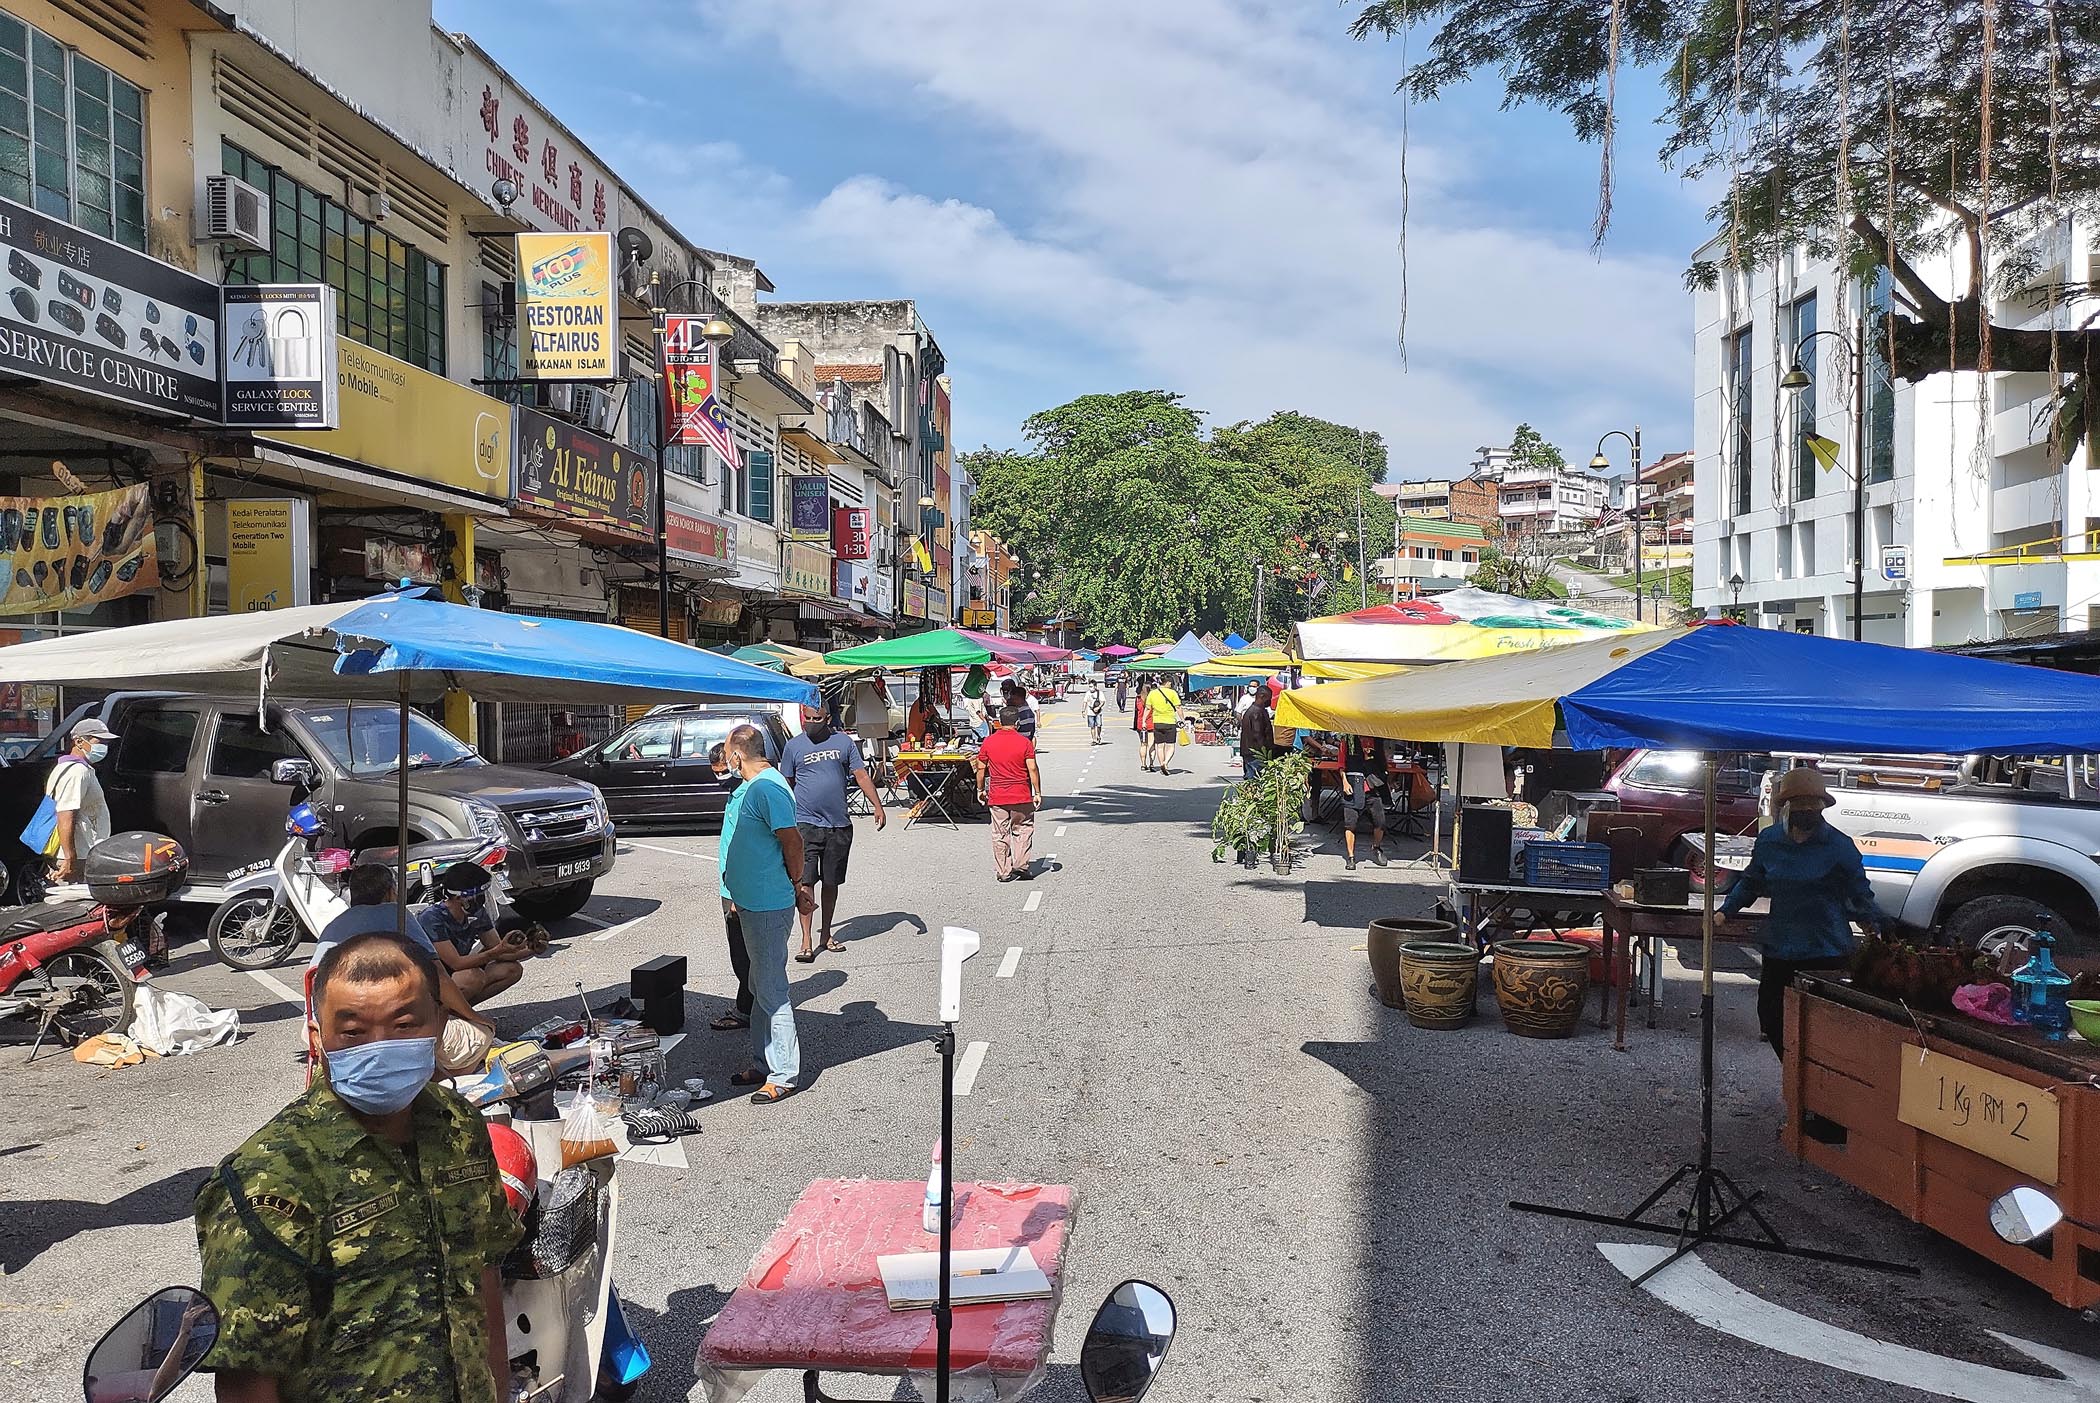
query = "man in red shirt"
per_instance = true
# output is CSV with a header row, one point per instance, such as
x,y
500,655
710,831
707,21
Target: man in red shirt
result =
x,y
1012,787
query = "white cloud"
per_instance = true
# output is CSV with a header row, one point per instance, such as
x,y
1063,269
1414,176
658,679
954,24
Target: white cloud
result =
x,y
1209,195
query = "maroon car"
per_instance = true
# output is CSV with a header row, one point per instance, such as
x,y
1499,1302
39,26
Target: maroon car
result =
x,y
1672,783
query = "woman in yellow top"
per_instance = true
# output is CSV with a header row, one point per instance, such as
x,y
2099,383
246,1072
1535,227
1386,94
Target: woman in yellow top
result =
x,y
1163,711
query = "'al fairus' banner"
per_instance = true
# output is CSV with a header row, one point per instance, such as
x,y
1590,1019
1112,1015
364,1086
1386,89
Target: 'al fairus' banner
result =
x,y
73,552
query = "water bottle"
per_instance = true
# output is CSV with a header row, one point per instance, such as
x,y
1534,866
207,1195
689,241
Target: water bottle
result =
x,y
2040,991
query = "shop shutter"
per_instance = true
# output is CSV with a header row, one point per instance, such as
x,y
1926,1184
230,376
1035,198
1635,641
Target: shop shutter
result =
x,y
638,612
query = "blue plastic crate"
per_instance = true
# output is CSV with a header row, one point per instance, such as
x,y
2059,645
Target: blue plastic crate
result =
x,y
1576,866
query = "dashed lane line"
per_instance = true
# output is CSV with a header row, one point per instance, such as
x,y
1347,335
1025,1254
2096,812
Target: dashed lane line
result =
x,y
675,852
972,1062
1008,965
276,986
1059,833
610,931
1035,900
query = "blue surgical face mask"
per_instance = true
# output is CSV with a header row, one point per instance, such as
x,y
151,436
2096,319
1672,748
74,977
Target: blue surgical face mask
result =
x,y
98,752
380,1078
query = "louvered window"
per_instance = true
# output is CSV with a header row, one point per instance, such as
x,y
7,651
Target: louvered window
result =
x,y
72,136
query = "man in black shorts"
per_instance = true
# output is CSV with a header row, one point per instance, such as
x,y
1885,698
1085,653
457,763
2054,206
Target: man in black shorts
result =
x,y
1366,764
820,765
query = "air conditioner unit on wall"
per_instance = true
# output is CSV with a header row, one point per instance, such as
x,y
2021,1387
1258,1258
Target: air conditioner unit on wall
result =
x,y
234,212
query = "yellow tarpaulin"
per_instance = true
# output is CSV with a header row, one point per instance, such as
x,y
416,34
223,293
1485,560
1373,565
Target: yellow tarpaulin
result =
x,y
1267,662
1507,700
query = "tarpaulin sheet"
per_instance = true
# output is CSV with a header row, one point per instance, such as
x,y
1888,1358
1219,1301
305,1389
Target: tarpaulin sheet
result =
x,y
1466,623
943,647
813,1298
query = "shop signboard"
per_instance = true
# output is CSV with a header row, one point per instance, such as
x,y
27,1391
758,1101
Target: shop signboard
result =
x,y
409,423
914,600
583,480
850,581
76,552
280,364
805,569
269,557
95,316
560,185
852,532
980,618
1895,564
568,307
809,506
704,540
2028,599
693,412
1988,1112
937,603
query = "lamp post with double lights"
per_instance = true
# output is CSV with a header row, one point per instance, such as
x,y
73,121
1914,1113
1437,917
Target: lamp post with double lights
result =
x,y
1598,463
716,332
1798,379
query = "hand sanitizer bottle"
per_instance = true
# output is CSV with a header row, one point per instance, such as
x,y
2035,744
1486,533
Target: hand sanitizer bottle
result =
x,y
930,1216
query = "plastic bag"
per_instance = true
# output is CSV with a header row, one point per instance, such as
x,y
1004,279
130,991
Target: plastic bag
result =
x,y
1987,1003
171,1024
586,1131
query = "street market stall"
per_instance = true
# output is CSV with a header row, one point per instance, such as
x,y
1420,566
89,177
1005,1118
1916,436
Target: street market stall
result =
x,y
1466,623
1737,689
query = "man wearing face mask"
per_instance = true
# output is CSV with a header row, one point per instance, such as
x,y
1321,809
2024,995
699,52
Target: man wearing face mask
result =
x,y
351,1245
76,792
1818,885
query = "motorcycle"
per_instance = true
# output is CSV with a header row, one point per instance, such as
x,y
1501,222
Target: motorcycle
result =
x,y
272,912
74,966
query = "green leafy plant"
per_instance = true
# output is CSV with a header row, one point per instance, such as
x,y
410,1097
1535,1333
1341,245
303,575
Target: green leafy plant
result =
x,y
1261,814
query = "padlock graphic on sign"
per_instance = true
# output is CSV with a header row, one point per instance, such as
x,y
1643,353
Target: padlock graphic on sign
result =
x,y
291,348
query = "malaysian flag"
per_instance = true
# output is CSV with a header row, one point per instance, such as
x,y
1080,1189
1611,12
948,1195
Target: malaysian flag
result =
x,y
711,420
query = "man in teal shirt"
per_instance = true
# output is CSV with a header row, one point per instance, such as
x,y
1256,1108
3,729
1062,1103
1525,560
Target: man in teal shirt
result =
x,y
762,876
1818,885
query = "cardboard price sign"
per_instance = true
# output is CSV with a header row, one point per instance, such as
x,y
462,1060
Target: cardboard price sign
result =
x,y
1981,1110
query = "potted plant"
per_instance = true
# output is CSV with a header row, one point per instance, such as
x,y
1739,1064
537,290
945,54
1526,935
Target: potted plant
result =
x,y
1261,814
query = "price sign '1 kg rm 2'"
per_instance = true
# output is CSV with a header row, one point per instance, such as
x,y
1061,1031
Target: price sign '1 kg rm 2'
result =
x,y
1981,1110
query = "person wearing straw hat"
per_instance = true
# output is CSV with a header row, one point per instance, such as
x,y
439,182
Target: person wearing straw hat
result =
x,y
1817,881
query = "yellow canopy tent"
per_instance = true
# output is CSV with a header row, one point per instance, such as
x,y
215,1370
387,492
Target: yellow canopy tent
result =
x,y
1267,662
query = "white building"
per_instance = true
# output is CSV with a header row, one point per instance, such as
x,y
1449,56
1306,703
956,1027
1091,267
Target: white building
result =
x,y
1956,468
1550,499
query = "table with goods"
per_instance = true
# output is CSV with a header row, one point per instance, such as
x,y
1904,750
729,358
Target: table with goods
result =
x,y
1631,924
1900,1080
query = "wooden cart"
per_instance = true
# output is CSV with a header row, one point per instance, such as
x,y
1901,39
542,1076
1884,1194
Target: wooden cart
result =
x,y
1937,1115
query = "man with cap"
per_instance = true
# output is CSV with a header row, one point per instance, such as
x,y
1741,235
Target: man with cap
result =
x,y
484,956
76,792
1818,885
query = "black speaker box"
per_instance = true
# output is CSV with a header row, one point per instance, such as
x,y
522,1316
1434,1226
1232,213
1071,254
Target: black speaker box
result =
x,y
654,979
665,1013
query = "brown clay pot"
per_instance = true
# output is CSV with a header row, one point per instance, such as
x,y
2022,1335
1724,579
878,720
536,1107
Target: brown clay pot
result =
x,y
1387,934
1437,983
1540,985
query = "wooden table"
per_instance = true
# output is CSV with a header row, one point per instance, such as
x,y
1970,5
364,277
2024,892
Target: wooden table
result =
x,y
1626,921
1937,1115
956,783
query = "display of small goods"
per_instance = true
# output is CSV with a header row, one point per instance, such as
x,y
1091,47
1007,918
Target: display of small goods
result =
x,y
1921,976
76,551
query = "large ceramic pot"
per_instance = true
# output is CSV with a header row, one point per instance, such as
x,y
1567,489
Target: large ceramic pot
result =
x,y
1437,982
1387,935
1540,984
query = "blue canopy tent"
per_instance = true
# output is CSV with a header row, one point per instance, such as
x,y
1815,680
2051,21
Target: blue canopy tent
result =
x,y
1233,642
1185,654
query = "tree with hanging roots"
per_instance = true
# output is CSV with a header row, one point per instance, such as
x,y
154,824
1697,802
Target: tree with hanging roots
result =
x,y
1873,132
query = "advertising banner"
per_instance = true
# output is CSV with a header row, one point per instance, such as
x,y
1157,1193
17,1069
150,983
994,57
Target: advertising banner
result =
x,y
92,315
73,552
560,185
850,581
280,366
568,307
693,412
269,562
809,506
586,481
852,532
394,561
806,570
703,540
412,424
723,613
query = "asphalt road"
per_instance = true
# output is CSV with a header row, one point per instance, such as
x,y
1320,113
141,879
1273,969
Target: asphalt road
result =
x,y
1191,1046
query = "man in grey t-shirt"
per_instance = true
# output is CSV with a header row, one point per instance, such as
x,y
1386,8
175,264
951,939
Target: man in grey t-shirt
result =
x,y
819,765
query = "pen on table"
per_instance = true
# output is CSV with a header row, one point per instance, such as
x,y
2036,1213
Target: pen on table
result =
x,y
978,1271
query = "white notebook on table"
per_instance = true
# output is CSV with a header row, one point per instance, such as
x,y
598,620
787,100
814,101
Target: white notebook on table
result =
x,y
977,1276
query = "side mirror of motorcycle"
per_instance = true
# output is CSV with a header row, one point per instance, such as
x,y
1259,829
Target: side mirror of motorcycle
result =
x,y
292,772
1127,1343
2024,1215
154,1348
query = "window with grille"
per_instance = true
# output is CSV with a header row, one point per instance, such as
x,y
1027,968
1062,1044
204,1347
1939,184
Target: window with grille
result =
x,y
1879,391
72,136
389,295
1801,333
1738,355
499,348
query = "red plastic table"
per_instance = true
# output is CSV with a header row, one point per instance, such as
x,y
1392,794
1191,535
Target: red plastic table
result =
x,y
812,1298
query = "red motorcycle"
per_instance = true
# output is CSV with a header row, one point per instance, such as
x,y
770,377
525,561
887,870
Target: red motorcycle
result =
x,y
73,967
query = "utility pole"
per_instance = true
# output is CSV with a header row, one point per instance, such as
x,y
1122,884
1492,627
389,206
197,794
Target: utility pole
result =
x,y
1859,474
1260,586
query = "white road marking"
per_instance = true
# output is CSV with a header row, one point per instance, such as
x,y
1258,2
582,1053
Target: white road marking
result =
x,y
610,931
1035,899
675,852
276,986
1008,965
1691,1286
972,1060
1059,833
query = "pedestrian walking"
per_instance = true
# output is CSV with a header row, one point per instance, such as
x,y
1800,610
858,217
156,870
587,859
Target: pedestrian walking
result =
x,y
1163,713
1366,766
1817,880
1017,697
739,1014
1122,691
820,765
352,1244
761,858
1141,723
75,791
1011,786
1094,709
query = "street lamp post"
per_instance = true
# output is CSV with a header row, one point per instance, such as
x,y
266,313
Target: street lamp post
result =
x,y
1598,462
1798,379
1735,589
716,333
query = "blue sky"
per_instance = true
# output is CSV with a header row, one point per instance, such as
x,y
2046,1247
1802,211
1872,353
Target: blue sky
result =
x,y
1198,195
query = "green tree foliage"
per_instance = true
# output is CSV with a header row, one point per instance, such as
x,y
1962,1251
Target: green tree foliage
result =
x,y
1858,129
1528,448
1130,519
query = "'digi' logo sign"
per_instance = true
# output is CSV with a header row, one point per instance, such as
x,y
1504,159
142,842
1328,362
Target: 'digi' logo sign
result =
x,y
560,271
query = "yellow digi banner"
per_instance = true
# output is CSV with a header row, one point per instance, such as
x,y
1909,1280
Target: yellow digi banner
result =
x,y
568,307
267,560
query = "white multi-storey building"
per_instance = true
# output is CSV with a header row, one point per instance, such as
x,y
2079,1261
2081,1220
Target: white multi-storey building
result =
x,y
1550,499
1967,517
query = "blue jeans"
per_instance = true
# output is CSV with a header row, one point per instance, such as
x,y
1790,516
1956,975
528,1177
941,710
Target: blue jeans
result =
x,y
773,1009
1252,765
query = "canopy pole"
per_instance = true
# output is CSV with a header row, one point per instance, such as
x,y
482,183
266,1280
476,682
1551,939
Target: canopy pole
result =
x,y
401,815
1711,763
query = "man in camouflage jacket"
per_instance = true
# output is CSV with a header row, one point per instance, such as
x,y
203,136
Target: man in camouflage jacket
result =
x,y
353,1256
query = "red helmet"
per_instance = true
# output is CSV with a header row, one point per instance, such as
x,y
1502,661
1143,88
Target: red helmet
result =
x,y
515,1162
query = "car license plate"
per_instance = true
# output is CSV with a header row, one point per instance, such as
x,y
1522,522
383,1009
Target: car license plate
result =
x,y
573,869
134,957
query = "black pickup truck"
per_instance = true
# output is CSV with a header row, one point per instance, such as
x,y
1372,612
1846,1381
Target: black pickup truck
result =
x,y
200,770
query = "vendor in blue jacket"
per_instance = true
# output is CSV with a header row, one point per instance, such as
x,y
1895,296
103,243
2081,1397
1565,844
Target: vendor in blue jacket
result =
x,y
1818,885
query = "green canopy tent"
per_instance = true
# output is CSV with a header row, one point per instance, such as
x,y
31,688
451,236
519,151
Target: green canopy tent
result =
x,y
943,647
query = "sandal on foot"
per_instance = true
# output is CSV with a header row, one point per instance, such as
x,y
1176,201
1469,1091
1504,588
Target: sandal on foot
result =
x,y
804,957
834,947
752,1077
729,1022
771,1095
